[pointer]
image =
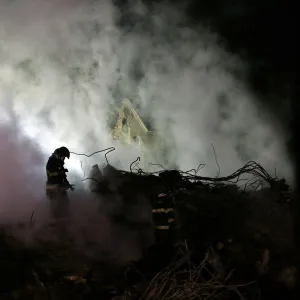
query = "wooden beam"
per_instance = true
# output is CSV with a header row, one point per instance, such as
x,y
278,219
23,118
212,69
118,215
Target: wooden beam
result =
x,y
126,103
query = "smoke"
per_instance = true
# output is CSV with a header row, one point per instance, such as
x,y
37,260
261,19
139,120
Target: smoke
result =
x,y
64,63
20,160
92,226
44,104
197,96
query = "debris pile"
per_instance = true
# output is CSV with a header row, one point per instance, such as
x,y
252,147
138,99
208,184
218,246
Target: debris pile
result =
x,y
183,280
233,240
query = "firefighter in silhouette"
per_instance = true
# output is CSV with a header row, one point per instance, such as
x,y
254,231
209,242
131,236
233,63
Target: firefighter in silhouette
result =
x,y
57,182
168,234
161,254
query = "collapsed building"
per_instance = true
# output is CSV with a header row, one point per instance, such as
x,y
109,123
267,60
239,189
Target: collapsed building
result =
x,y
232,227
128,127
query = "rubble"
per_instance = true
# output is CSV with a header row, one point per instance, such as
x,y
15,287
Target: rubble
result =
x,y
236,243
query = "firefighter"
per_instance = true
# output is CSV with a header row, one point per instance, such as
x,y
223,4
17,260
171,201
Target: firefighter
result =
x,y
163,213
164,249
57,182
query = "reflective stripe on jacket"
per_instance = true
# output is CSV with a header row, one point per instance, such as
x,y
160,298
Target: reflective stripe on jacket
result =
x,y
163,213
55,170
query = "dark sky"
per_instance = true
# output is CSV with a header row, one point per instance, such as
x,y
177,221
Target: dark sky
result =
x,y
263,32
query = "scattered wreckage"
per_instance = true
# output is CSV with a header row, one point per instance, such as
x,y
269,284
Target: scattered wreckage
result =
x,y
204,229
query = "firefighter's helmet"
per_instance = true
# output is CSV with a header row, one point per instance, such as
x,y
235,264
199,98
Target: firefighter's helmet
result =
x,y
63,152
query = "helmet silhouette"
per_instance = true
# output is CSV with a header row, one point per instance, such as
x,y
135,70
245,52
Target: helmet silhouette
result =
x,y
63,152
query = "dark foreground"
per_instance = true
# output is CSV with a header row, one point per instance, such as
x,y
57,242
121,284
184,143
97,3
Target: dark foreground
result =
x,y
235,243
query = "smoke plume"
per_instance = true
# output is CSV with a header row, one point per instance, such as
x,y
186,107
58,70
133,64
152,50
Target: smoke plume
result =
x,y
91,226
64,64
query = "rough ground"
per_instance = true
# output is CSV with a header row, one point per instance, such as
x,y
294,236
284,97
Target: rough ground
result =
x,y
236,243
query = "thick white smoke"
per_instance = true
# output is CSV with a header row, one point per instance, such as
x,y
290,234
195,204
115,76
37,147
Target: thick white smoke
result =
x,y
20,161
91,225
64,62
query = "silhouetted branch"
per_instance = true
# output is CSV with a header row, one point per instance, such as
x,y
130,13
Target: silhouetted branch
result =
x,y
110,149
216,159
134,162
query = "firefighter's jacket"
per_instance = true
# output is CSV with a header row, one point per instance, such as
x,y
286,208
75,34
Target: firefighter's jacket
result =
x,y
163,212
56,174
